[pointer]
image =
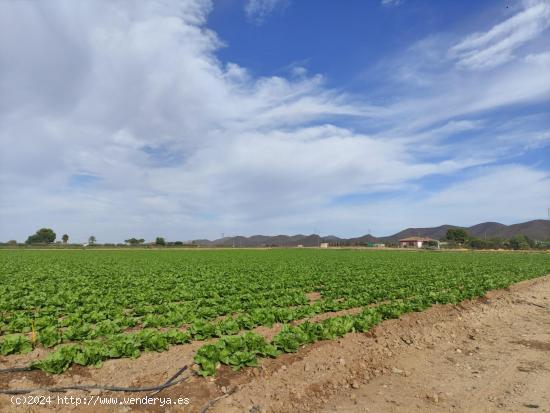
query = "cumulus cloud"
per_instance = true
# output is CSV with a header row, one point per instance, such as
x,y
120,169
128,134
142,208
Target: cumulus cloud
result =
x,y
118,119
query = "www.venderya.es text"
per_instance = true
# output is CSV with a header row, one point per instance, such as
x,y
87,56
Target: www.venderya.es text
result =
x,y
98,400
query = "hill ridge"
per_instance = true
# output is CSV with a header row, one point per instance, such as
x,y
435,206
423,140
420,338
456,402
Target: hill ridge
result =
x,y
538,229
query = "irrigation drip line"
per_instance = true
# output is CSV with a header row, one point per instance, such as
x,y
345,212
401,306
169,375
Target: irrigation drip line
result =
x,y
15,369
170,382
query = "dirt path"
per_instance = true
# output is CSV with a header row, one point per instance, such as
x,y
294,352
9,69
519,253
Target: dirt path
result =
x,y
488,355
491,355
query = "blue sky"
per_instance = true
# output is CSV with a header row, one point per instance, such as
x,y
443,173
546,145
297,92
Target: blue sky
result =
x,y
342,42
191,118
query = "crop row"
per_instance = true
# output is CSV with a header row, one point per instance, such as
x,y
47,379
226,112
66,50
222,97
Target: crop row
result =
x,y
89,306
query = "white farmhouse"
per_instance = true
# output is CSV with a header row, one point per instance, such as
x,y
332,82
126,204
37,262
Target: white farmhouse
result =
x,y
417,242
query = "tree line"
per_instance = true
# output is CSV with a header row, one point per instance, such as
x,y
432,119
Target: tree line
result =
x,y
459,237
47,236
454,238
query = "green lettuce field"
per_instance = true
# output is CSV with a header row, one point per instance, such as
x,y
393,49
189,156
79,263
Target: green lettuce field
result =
x,y
88,306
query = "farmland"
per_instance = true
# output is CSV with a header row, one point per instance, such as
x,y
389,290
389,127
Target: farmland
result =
x,y
89,306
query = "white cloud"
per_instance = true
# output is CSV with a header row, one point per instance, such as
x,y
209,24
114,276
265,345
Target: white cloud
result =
x,y
184,145
258,10
391,2
508,193
298,71
542,59
428,87
497,46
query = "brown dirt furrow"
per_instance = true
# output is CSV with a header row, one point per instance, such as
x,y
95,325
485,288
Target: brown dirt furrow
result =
x,y
484,355
20,360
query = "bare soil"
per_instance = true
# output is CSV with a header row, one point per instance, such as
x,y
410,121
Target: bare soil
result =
x,y
485,355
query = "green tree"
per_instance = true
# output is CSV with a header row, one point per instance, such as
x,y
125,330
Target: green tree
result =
x,y
134,241
458,235
92,240
160,241
65,238
495,243
43,235
432,243
519,242
532,243
478,244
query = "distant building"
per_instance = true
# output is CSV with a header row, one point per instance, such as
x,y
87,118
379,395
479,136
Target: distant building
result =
x,y
323,245
300,246
418,242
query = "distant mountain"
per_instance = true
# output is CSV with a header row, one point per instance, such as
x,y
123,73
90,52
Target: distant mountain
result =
x,y
489,229
365,239
312,240
538,229
434,232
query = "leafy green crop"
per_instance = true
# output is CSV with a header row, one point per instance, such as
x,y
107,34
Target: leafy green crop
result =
x,y
90,306
235,351
14,344
49,336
